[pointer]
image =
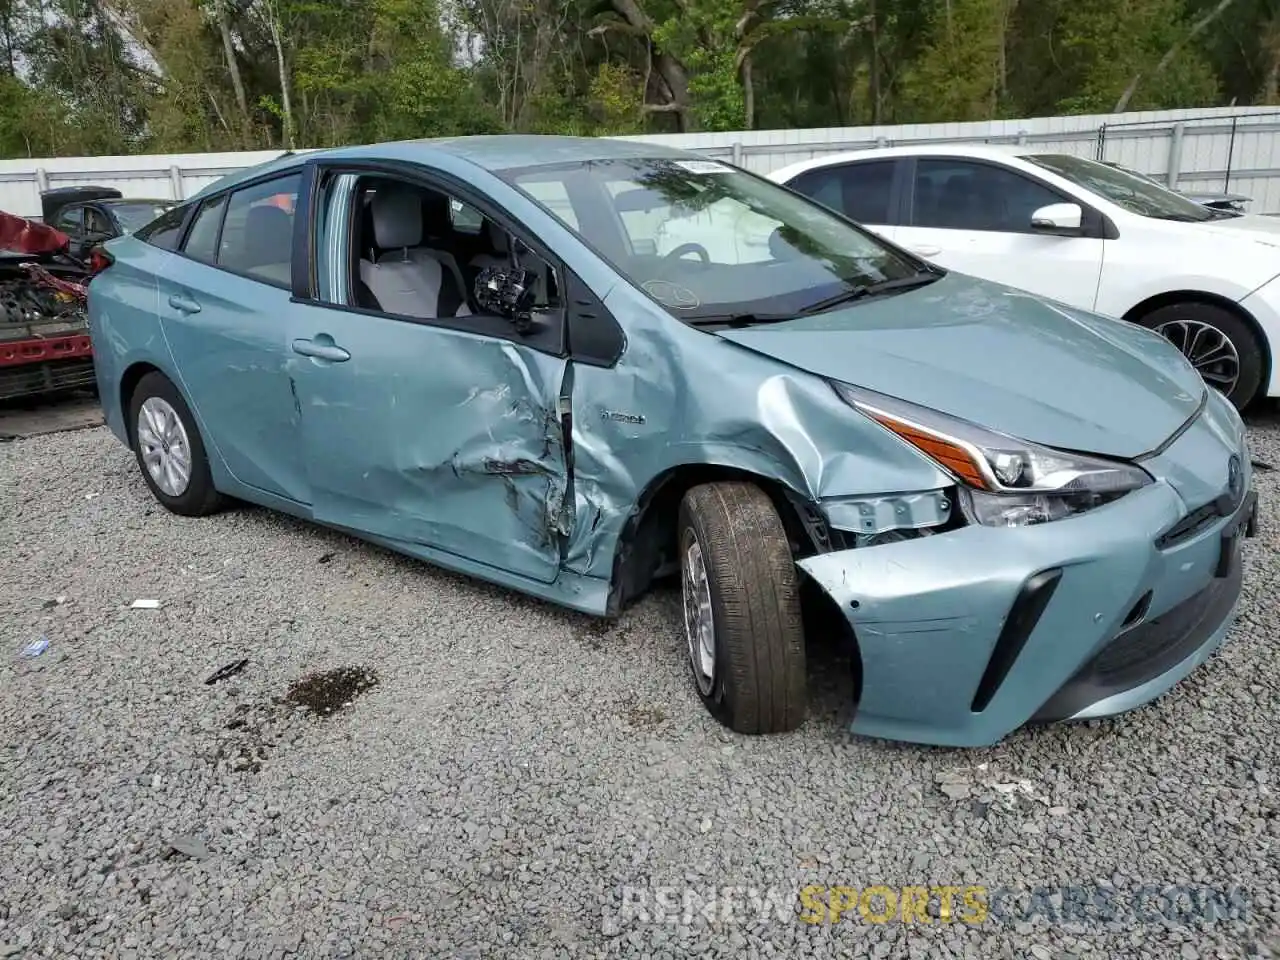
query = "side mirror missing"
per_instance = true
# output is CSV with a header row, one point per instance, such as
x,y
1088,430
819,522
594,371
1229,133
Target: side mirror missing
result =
x,y
508,291
1058,218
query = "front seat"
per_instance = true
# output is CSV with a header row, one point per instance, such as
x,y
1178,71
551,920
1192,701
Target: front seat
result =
x,y
405,278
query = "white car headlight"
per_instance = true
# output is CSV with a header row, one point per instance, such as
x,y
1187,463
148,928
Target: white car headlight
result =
x,y
1003,481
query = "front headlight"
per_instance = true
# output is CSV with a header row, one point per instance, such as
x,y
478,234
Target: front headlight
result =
x,y
1004,481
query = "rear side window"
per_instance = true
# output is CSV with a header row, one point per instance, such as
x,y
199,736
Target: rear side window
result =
x,y
257,231
858,190
165,231
68,219
202,238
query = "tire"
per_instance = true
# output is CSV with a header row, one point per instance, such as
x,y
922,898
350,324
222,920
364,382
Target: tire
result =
x,y
756,684
1182,323
197,498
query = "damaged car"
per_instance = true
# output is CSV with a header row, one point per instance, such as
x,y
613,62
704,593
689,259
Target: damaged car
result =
x,y
481,352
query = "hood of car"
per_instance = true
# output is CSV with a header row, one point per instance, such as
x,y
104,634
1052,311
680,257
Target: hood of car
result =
x,y
1000,358
1247,227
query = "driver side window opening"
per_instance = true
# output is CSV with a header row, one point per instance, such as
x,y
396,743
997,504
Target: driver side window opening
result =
x,y
417,252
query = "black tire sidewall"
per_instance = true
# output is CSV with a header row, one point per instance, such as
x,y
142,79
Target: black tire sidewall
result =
x,y
1234,328
717,701
200,497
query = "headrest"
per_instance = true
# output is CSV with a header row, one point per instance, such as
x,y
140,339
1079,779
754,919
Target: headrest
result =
x,y
397,218
498,237
268,231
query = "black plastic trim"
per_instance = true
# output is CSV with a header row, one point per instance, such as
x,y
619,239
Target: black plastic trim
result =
x,y
1028,606
1144,652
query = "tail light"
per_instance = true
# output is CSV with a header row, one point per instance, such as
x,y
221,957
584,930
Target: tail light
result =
x,y
99,260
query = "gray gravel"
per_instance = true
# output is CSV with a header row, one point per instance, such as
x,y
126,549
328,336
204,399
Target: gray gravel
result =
x,y
517,772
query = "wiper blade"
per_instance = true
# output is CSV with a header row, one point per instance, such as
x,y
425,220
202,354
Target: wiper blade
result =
x,y
921,279
739,319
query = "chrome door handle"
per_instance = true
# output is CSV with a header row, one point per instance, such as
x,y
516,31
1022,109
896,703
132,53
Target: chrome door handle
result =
x,y
927,251
320,351
183,304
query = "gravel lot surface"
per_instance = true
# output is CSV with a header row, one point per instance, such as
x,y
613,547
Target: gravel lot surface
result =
x,y
510,774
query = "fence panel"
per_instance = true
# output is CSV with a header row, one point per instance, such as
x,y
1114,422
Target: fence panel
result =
x,y
1205,149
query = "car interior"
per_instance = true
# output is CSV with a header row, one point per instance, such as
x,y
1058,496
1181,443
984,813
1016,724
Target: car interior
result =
x,y
417,252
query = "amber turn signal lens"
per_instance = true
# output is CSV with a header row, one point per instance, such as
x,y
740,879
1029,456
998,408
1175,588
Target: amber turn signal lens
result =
x,y
947,453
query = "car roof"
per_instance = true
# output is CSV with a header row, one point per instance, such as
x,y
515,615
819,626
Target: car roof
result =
x,y
978,151
493,153
116,201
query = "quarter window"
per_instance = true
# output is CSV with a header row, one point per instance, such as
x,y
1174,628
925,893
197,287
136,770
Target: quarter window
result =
x,y
202,239
165,231
963,195
858,190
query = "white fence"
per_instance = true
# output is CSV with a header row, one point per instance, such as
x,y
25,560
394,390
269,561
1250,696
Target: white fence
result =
x,y
1204,150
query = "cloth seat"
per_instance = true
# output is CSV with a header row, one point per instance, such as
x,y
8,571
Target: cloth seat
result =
x,y
407,278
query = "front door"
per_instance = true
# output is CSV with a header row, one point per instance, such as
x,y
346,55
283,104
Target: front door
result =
x,y
434,431
975,217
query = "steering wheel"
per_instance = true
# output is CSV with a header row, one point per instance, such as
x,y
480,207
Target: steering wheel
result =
x,y
684,248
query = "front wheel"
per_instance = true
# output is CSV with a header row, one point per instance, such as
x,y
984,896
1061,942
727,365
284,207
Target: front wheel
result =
x,y
743,625
1220,344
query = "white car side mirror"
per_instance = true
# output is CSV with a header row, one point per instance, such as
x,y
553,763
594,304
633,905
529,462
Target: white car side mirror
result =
x,y
1058,217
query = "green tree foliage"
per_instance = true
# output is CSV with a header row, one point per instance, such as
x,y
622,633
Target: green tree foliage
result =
x,y
118,76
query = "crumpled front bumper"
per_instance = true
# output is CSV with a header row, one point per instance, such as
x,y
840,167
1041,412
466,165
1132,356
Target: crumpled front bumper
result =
x,y
967,635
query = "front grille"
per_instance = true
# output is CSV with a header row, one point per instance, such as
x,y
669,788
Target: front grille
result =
x,y
1155,646
1147,650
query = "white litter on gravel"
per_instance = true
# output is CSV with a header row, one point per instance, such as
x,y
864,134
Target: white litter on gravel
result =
x,y
416,764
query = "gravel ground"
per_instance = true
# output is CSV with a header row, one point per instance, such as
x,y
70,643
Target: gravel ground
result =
x,y
515,781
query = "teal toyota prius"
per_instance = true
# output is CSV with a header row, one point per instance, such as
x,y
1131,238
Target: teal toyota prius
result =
x,y
572,367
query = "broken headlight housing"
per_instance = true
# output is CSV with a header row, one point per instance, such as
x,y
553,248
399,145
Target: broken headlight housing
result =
x,y
1003,481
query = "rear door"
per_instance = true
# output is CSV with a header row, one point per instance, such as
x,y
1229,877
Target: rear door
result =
x,y
224,300
868,192
974,216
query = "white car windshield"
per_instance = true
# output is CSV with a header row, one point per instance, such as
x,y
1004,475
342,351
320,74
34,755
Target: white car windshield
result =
x,y
708,240
1130,191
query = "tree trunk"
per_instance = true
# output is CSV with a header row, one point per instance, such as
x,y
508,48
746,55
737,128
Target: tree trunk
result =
x,y
286,96
671,70
1172,52
233,68
875,91
748,94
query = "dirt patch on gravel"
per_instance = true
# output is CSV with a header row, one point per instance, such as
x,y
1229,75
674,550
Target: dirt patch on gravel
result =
x,y
327,692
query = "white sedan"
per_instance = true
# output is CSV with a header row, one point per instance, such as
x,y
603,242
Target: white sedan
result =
x,y
1080,232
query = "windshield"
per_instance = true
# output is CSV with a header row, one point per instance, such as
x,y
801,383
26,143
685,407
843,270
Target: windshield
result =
x,y
1130,191
133,216
707,240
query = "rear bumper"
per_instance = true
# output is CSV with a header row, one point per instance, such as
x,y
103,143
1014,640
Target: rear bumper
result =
x,y
966,636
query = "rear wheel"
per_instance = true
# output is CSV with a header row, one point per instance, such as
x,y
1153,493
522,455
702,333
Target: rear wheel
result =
x,y
741,591
1220,344
169,449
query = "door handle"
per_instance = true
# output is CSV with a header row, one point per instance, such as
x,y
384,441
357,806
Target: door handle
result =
x,y
321,351
926,251
183,304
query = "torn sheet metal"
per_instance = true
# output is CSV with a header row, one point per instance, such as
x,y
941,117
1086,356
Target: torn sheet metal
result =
x,y
642,419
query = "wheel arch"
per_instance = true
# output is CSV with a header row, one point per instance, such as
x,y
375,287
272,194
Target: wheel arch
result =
x,y
646,548
129,381
1171,297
